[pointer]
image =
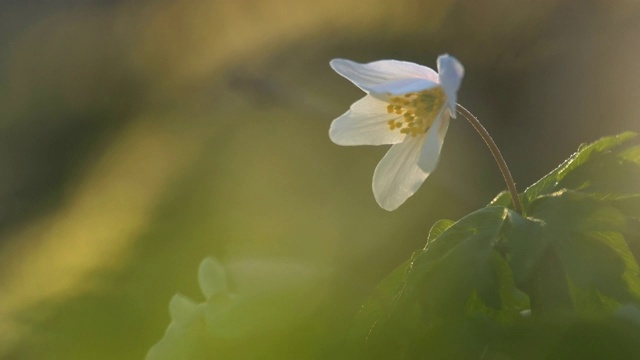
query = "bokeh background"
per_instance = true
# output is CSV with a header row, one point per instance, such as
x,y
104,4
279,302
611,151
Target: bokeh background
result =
x,y
138,137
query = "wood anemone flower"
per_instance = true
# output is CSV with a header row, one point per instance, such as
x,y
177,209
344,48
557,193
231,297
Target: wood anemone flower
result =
x,y
407,106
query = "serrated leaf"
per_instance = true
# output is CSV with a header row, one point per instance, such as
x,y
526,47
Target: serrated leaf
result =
x,y
459,262
591,303
585,233
380,323
510,301
378,307
438,228
526,245
549,183
455,264
586,152
631,154
502,199
613,172
601,261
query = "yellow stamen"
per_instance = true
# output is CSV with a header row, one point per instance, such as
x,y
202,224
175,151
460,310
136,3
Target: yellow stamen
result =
x,y
418,110
389,108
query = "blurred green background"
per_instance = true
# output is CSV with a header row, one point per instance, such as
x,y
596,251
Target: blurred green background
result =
x,y
140,136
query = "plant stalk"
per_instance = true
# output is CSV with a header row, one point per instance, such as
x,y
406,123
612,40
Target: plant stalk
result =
x,y
504,169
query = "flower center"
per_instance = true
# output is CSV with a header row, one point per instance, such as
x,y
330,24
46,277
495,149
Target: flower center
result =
x,y
416,110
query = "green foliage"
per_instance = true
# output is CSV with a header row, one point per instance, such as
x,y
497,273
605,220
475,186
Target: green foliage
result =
x,y
497,284
560,281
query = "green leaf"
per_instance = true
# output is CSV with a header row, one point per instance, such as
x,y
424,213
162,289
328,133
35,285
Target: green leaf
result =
x,y
585,153
526,245
591,303
377,310
585,233
574,253
460,275
438,228
383,328
616,172
381,313
457,264
502,199
511,300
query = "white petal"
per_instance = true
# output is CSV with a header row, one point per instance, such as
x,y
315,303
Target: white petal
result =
x,y
367,76
365,124
403,86
451,72
212,277
182,309
433,143
184,335
398,175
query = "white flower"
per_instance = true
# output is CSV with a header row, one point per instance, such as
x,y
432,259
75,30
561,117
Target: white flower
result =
x,y
274,296
188,319
407,105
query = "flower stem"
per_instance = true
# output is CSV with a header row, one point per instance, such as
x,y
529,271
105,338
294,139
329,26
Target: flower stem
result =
x,y
506,174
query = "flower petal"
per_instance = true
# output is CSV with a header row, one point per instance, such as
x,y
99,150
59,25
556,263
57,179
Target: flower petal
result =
x,y
451,72
433,143
402,86
367,76
398,175
185,333
365,124
182,309
212,277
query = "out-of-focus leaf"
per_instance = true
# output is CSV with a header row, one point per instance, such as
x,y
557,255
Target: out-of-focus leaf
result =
x,y
606,338
591,303
382,325
379,314
462,338
269,295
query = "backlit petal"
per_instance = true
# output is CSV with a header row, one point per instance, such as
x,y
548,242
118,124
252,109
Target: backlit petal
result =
x,y
367,76
433,143
182,309
403,86
451,72
212,277
398,175
186,331
365,124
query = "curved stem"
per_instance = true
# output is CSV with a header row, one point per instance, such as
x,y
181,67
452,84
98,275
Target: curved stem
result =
x,y
506,174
